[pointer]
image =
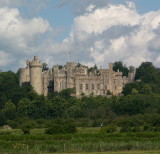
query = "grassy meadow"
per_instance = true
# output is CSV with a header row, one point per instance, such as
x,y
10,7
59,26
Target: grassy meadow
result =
x,y
86,140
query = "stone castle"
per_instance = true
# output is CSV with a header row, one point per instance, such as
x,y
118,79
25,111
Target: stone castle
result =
x,y
73,75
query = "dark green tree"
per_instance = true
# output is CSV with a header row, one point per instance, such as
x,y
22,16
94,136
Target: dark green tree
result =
x,y
24,107
121,67
9,110
45,67
147,73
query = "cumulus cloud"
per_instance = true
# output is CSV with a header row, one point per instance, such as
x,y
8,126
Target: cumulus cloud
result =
x,y
79,7
30,7
18,35
11,3
101,34
5,58
116,32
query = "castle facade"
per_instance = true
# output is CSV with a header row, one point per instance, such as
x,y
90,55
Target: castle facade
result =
x,y
73,75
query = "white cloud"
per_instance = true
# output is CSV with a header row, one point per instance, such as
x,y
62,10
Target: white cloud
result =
x,y
90,8
116,32
104,18
11,3
102,34
5,59
18,36
13,25
131,5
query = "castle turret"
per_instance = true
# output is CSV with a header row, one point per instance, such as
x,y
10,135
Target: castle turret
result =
x,y
36,74
24,75
131,75
110,81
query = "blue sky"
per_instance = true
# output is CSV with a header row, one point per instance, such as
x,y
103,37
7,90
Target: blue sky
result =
x,y
61,17
94,31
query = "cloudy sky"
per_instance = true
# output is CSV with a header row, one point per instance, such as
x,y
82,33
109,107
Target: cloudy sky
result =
x,y
93,31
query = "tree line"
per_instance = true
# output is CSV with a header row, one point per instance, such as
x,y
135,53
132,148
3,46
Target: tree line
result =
x,y
140,104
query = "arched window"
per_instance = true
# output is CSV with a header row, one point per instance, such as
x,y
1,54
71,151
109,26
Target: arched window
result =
x,y
60,85
80,86
92,86
98,86
86,86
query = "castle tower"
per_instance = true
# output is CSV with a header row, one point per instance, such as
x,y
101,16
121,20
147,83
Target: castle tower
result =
x,y
131,75
36,74
24,75
110,81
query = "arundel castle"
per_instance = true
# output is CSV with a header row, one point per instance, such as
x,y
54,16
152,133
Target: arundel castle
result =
x,y
73,75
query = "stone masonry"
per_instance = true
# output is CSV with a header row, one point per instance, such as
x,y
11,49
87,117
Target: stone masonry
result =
x,y
73,75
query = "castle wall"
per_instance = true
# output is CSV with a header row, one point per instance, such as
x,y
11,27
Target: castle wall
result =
x,y
36,75
73,76
24,75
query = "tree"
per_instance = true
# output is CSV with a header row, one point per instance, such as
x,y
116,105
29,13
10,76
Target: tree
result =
x,y
9,110
146,89
38,108
45,67
121,67
130,86
24,107
134,91
93,69
2,119
147,73
67,93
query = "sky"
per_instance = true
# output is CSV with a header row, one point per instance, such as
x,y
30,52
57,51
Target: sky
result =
x,y
92,31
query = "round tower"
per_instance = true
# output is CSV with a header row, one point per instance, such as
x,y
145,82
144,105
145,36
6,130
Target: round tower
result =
x,y
36,74
22,76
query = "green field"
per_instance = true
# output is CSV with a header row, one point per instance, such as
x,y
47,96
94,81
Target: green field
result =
x,y
85,141
121,152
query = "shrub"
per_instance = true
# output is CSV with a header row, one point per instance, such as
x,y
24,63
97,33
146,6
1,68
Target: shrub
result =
x,y
108,129
148,128
70,128
137,129
61,129
126,129
157,129
55,129
26,129
52,149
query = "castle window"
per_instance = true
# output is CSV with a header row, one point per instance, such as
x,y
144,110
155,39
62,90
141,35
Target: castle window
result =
x,y
92,86
60,85
81,87
98,86
86,86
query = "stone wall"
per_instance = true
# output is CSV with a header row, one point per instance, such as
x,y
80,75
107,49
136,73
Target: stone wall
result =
x,y
73,75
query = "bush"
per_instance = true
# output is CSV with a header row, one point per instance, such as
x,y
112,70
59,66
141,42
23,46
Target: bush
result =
x,y
70,128
26,130
54,129
157,129
148,128
137,129
61,129
52,149
108,129
126,129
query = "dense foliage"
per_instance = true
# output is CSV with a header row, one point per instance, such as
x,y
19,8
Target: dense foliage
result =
x,y
140,105
119,66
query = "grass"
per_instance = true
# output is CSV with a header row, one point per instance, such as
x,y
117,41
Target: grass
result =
x,y
118,152
88,130
84,141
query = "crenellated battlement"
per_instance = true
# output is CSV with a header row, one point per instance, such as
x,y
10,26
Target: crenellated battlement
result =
x,y
73,75
35,63
22,69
